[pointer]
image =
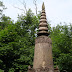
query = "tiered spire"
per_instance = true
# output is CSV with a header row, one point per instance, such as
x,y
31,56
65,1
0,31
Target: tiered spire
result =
x,y
43,27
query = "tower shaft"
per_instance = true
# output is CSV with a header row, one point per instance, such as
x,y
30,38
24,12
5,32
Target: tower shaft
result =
x,y
43,54
43,61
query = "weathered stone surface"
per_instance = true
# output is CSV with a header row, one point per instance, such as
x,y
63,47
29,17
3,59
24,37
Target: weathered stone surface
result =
x,y
43,26
40,70
56,69
43,39
31,70
43,17
43,53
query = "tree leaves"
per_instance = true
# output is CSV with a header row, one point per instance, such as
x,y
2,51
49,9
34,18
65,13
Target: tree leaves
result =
x,y
62,47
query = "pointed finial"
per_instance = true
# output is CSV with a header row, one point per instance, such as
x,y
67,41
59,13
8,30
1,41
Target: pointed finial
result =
x,y
43,6
43,26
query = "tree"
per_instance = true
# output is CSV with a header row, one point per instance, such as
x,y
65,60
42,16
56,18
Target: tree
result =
x,y
2,8
5,22
17,43
62,47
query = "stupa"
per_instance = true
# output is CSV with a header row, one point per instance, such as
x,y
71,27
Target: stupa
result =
x,y
43,60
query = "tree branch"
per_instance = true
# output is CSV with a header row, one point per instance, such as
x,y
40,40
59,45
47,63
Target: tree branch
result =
x,y
19,8
34,1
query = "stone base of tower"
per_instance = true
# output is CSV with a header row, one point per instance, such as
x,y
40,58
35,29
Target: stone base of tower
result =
x,y
31,70
40,70
43,70
43,61
43,54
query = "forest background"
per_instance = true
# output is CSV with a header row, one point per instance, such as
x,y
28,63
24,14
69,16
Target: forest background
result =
x,y
17,40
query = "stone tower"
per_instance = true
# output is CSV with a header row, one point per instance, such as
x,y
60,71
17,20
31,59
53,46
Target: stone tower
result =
x,y
43,50
43,61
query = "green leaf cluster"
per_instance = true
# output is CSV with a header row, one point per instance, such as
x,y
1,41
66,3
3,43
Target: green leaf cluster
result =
x,y
62,47
17,42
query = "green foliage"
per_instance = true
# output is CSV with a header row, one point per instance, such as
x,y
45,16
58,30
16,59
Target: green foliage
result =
x,y
17,43
62,47
2,8
5,22
65,62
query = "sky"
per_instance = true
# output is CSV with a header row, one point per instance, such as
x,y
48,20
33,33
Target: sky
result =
x,y
57,11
